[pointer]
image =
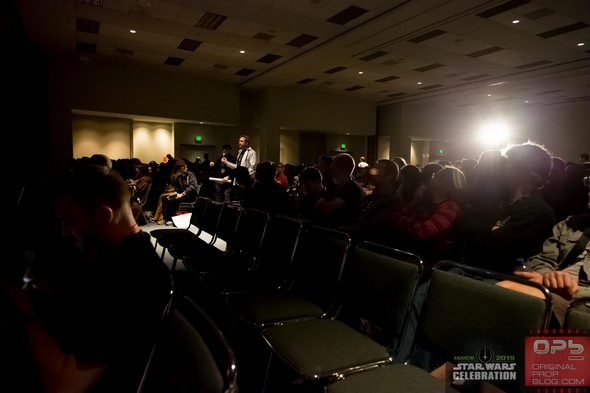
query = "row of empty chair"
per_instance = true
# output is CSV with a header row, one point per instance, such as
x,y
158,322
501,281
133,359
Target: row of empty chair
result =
x,y
336,315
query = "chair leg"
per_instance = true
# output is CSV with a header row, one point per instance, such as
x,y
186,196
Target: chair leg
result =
x,y
266,373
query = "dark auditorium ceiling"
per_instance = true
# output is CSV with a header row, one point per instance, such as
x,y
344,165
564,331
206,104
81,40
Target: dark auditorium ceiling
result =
x,y
464,51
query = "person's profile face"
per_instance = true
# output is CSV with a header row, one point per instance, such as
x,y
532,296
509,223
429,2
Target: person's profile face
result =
x,y
243,143
76,222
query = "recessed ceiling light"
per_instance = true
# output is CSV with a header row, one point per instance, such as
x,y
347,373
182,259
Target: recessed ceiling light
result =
x,y
132,31
348,133
242,51
489,95
515,21
201,122
419,83
526,101
360,72
580,44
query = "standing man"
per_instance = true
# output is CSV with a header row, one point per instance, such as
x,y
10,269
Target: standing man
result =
x,y
246,156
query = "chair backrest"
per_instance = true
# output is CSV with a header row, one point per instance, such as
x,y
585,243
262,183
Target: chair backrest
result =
x,y
278,246
379,284
578,314
163,319
198,212
192,355
318,264
250,232
463,300
228,221
210,218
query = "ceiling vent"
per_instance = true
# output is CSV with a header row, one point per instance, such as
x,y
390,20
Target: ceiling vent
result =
x,y
431,87
211,21
302,40
334,70
353,88
486,51
268,58
263,36
305,81
502,8
427,36
387,79
244,72
429,67
188,44
374,55
87,26
174,61
347,14
563,30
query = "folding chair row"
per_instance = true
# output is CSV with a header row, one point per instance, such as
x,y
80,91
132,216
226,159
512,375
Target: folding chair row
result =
x,y
207,229
245,230
463,314
311,291
272,264
195,227
375,300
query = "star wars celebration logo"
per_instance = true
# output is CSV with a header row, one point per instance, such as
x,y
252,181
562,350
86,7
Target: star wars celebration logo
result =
x,y
484,361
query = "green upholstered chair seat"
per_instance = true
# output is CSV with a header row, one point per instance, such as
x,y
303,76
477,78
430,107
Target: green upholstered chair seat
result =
x,y
323,347
264,307
383,380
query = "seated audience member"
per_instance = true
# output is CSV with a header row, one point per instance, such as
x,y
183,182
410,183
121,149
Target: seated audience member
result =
x,y
425,226
425,176
573,190
280,176
341,207
87,316
409,181
266,194
310,190
243,183
374,223
552,190
169,190
467,166
142,181
400,161
325,163
525,219
563,266
186,190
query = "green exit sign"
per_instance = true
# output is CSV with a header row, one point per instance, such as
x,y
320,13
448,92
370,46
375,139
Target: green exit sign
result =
x,y
198,138
343,146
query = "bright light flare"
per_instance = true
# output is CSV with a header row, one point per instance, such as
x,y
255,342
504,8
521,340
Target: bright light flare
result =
x,y
494,134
